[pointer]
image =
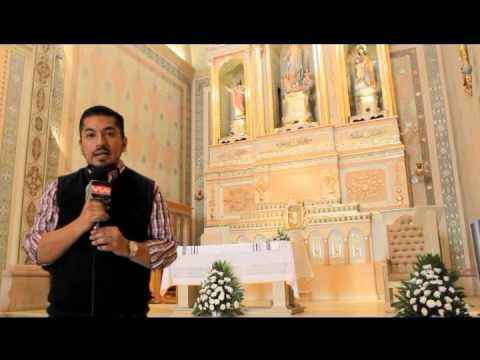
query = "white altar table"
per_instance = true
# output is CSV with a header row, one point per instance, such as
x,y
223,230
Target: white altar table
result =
x,y
252,263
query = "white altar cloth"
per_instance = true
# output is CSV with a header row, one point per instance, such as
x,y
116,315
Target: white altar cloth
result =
x,y
249,264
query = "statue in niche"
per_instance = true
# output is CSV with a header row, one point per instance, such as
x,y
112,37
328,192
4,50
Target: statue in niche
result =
x,y
296,84
238,99
297,75
237,123
365,86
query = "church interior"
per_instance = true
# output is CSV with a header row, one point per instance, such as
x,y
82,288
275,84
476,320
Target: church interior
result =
x,y
365,155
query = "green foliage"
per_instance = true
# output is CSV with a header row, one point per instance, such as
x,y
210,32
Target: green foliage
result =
x,y
430,291
220,286
281,235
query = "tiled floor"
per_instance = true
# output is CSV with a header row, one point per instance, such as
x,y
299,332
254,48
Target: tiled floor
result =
x,y
312,309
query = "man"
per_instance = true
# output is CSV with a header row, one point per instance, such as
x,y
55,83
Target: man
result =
x,y
101,271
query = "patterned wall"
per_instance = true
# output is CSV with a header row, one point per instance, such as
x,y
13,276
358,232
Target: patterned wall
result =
x,y
41,163
153,95
3,79
9,145
154,99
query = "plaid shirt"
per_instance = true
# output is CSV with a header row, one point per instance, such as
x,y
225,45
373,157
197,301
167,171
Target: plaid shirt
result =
x,y
161,244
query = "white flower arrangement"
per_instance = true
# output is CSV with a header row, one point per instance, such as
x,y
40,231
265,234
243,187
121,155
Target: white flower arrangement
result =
x,y
430,291
220,294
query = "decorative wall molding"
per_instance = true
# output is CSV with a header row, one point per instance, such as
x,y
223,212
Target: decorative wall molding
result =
x,y
413,130
38,135
444,158
199,156
169,61
9,145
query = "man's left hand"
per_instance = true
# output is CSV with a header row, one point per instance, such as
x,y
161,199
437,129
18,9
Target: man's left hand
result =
x,y
110,238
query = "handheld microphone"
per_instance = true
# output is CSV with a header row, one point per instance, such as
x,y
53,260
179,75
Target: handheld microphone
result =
x,y
98,188
101,191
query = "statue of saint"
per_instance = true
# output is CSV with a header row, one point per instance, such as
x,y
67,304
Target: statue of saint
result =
x,y
296,75
365,86
237,123
295,88
238,99
294,65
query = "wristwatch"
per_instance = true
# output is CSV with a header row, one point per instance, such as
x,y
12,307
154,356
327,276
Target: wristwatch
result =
x,y
132,249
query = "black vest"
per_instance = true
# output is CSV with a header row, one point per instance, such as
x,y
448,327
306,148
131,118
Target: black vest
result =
x,y
85,279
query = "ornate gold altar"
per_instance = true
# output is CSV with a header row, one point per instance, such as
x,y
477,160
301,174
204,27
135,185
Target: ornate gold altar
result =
x,y
319,155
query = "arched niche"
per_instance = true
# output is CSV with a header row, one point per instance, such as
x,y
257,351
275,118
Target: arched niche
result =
x,y
233,110
336,250
356,246
291,71
316,245
368,83
242,239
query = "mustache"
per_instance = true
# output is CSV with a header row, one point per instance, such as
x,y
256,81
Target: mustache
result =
x,y
101,150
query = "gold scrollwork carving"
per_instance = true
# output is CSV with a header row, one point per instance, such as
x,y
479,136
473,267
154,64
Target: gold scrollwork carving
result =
x,y
466,69
261,186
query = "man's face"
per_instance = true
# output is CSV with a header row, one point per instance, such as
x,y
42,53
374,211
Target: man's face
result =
x,y
101,140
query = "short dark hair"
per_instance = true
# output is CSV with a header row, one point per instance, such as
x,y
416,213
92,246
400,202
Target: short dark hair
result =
x,y
103,110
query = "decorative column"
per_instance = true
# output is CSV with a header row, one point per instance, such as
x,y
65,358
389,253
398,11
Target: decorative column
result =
x,y
346,249
271,100
215,99
258,59
341,85
321,92
250,103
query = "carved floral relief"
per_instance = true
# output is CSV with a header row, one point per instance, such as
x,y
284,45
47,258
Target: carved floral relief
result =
x,y
366,185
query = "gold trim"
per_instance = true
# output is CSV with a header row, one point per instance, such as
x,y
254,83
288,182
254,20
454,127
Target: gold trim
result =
x,y
215,106
341,84
387,81
249,93
321,93
272,101
245,57
466,69
260,113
